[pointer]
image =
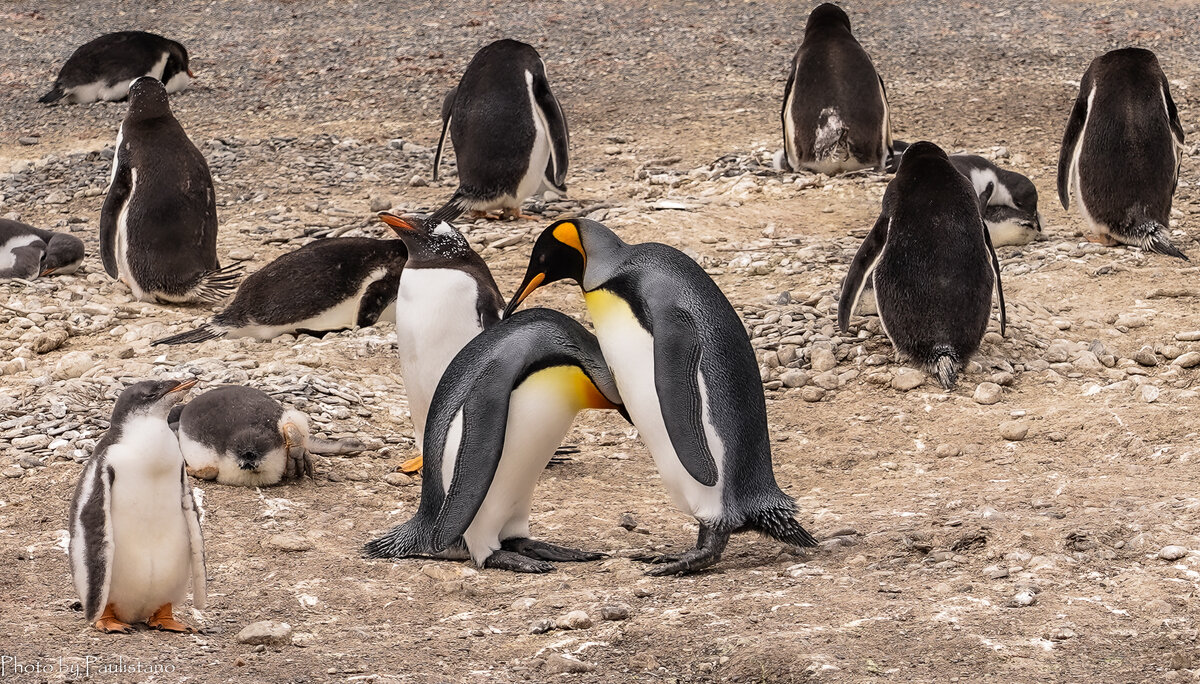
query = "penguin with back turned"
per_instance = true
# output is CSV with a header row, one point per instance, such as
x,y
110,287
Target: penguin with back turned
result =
x,y
509,133
28,252
135,537
158,226
687,376
932,264
327,285
1121,152
835,109
105,68
504,404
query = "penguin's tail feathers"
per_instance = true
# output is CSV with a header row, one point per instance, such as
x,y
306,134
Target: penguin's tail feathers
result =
x,y
201,334
1153,236
219,284
54,95
402,541
451,210
777,520
944,366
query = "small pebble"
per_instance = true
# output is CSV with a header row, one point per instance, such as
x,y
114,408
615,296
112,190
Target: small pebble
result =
x,y
988,393
560,664
614,611
1014,430
907,379
576,619
1172,553
266,632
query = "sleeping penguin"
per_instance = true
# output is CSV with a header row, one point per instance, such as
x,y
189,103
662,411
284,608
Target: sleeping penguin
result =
x,y
106,67
28,252
509,133
504,404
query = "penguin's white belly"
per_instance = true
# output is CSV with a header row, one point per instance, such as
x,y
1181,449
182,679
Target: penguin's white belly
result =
x,y
340,316
7,259
124,271
436,316
102,90
629,350
178,82
538,420
151,542
539,154
200,456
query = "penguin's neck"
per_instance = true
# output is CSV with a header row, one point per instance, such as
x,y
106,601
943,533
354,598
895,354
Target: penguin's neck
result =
x,y
605,252
146,445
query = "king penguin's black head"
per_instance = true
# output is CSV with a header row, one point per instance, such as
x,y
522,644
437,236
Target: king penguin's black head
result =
x,y
150,397
558,254
147,99
827,15
64,254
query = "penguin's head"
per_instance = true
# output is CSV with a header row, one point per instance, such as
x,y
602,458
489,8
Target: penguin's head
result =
x,y
153,398
64,254
147,99
250,446
1025,199
558,254
427,239
177,61
826,15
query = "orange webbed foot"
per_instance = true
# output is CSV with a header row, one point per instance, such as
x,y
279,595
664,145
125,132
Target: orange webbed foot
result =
x,y
109,624
164,619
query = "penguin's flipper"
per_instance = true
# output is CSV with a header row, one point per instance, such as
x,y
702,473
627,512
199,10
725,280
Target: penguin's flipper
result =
x,y
1066,154
191,512
378,296
864,262
560,139
987,238
114,202
447,106
27,261
785,164
91,545
173,417
1176,130
677,383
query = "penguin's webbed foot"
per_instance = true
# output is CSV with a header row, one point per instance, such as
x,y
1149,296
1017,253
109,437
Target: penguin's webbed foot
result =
x,y
515,214
299,462
515,562
412,465
109,624
205,473
540,550
164,620
710,544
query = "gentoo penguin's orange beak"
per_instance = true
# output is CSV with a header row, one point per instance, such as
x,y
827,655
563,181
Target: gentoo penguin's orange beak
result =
x,y
47,272
190,74
184,386
398,225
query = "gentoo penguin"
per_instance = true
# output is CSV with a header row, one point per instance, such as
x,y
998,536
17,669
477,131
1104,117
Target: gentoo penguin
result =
x,y
932,264
1011,214
135,527
241,436
835,110
446,297
504,89
1121,152
104,68
158,226
28,252
326,285
502,407
685,369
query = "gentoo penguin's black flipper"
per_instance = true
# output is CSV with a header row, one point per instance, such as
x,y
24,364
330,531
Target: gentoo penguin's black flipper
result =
x,y
677,383
1066,153
447,108
984,197
191,512
91,548
378,296
860,269
556,124
118,195
1176,129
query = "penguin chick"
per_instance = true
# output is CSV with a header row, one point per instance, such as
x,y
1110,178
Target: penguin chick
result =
x,y
504,404
105,68
1011,213
135,536
28,252
239,435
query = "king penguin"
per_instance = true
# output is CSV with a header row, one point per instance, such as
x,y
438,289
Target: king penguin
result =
x,y
158,226
509,133
684,367
28,252
327,285
446,297
239,435
105,68
932,264
504,404
835,108
135,528
1121,152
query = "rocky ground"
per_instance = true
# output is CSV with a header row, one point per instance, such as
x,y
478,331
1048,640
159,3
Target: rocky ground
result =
x,y
1038,523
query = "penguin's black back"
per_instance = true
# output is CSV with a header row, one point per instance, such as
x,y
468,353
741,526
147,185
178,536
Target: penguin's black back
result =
x,y
301,284
116,57
492,125
216,416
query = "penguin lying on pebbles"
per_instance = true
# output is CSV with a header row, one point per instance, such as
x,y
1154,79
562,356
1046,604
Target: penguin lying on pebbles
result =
x,y
135,536
158,226
688,378
1011,213
835,108
28,252
105,68
326,285
1121,152
932,264
502,407
241,436
504,89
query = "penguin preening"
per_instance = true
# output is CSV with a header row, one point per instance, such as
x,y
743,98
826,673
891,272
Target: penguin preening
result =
x,y
28,252
835,109
446,297
1121,152
509,133
239,435
105,68
158,226
687,376
327,285
503,406
135,536
932,264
